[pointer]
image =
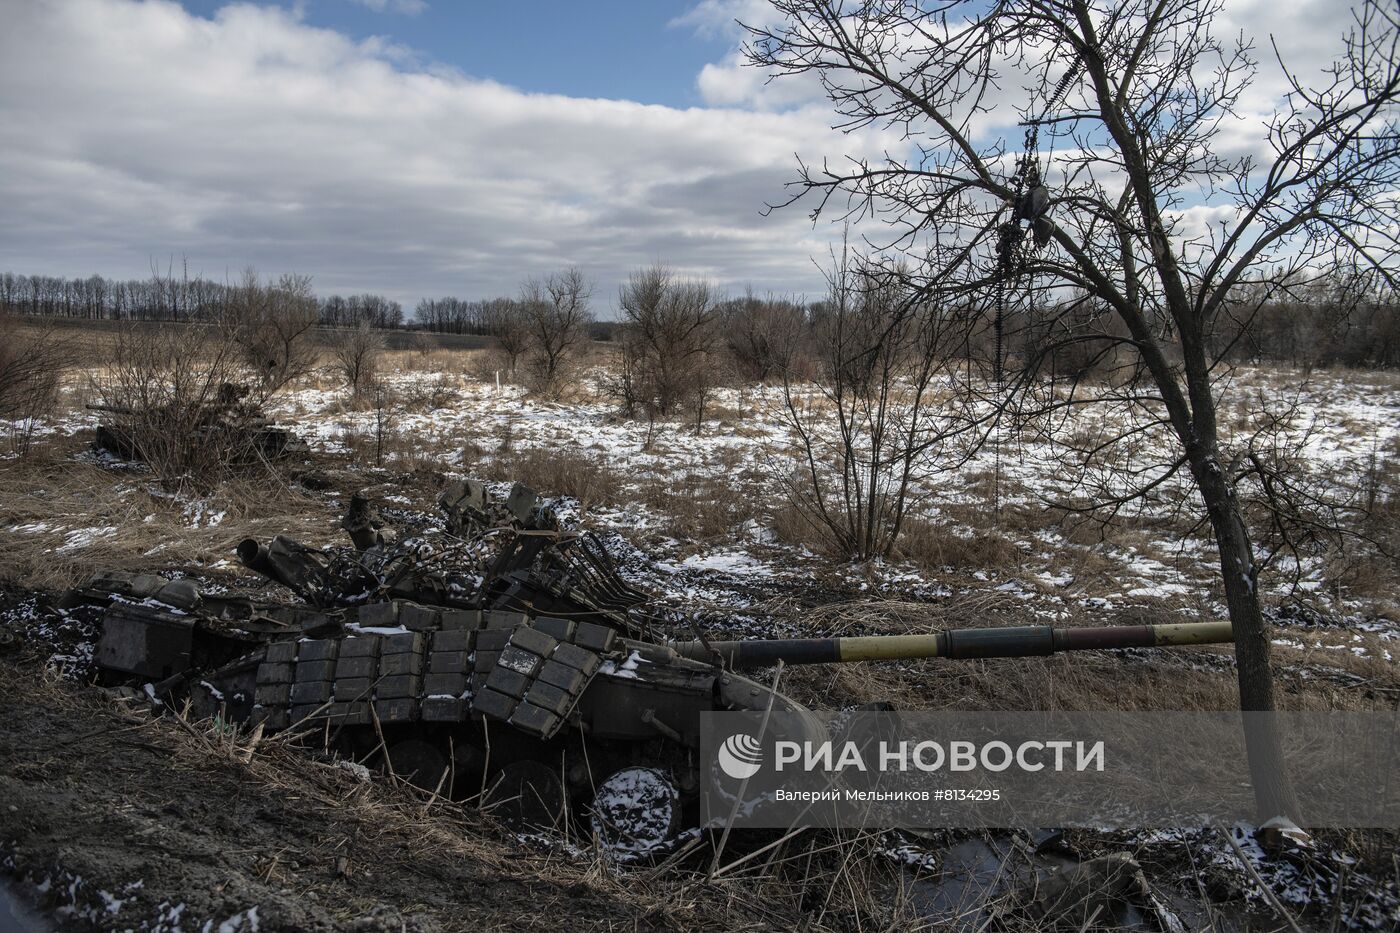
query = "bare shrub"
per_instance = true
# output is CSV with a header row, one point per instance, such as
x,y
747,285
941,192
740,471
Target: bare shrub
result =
x,y
556,314
272,325
356,352
766,338
426,395
31,367
878,347
167,391
671,346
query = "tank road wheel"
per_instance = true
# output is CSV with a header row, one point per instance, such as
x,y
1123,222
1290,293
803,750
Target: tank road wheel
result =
x,y
469,765
526,795
420,763
635,812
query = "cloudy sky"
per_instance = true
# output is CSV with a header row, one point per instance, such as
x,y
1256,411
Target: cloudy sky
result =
x,y
422,147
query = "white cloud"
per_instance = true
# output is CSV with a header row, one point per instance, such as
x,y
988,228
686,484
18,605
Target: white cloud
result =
x,y
722,17
407,7
131,131
135,130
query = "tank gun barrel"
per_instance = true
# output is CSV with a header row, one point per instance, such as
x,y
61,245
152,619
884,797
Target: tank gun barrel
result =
x,y
1020,641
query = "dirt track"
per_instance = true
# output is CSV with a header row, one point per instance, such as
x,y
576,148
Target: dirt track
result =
x,y
167,830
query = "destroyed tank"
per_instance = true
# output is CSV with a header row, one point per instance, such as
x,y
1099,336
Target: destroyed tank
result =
x,y
507,658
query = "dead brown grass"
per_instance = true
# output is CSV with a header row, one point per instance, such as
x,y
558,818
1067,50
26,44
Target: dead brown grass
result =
x,y
696,508
563,472
73,517
934,546
479,364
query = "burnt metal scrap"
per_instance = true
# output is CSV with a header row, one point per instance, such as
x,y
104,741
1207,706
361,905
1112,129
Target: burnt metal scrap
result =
x,y
504,647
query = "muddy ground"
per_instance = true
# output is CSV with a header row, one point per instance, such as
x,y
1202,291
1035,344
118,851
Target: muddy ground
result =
x,y
114,819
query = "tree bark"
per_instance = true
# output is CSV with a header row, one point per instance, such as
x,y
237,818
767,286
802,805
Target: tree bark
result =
x,y
1273,790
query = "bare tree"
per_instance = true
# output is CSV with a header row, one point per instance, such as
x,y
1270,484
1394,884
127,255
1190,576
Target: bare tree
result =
x,y
670,345
1142,90
272,324
505,320
356,352
557,316
878,347
763,335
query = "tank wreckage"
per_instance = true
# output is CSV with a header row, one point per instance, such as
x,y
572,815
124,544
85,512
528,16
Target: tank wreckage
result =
x,y
503,652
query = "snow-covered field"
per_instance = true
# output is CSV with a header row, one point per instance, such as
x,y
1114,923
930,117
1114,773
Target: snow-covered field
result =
x,y
1344,423
1347,426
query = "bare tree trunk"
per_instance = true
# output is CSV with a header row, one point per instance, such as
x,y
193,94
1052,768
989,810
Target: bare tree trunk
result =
x,y
1273,790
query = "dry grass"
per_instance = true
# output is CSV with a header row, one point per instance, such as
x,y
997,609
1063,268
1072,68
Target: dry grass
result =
x,y
479,364
55,504
563,472
932,546
696,508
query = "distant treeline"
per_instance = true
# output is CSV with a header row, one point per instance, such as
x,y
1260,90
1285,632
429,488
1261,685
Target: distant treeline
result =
x,y
1328,325
1324,327
167,298
1327,328
481,317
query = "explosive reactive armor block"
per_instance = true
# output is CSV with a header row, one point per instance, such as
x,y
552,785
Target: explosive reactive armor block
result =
x,y
406,662
401,643
275,673
455,640
530,675
378,615
445,684
308,671
535,679
461,619
314,692
272,694
499,619
444,709
558,629
359,646
396,710
318,649
280,652
418,618
354,688
144,640
349,668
